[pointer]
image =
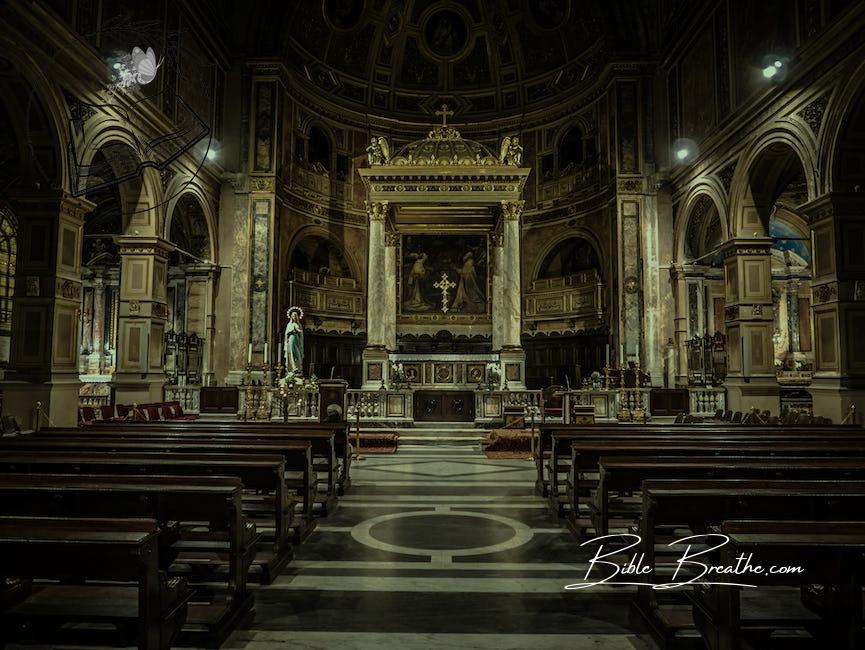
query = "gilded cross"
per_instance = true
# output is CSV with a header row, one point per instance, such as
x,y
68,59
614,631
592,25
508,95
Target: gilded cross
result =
x,y
444,285
444,112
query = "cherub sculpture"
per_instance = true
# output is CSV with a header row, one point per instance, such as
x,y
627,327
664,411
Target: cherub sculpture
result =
x,y
378,151
511,151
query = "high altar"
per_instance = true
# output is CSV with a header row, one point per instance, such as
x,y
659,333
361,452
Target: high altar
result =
x,y
444,250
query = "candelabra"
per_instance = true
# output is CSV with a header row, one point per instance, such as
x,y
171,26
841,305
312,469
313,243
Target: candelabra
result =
x,y
607,377
246,385
638,412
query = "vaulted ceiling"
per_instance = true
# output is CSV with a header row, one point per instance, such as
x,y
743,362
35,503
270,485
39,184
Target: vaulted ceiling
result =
x,y
402,58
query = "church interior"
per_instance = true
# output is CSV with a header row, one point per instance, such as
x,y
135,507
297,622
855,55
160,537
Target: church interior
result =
x,y
515,324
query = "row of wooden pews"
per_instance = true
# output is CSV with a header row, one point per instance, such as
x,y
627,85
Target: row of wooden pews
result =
x,y
213,506
791,496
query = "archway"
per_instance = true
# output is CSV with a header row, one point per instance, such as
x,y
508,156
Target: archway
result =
x,y
190,294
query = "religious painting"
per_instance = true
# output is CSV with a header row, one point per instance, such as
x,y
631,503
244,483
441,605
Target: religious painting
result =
x,y
444,274
446,33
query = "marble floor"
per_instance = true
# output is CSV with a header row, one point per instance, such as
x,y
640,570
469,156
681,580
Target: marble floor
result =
x,y
438,547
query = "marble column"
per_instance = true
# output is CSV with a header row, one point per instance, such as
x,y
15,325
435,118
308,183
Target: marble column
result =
x,y
46,309
748,313
509,311
793,316
378,320
200,316
97,351
838,304
143,315
497,242
391,240
680,324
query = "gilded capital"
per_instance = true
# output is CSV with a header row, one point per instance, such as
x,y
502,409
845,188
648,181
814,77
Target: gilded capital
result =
x,y
377,210
511,210
391,238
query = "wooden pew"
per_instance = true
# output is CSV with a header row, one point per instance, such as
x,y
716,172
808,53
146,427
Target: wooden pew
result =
x,y
257,472
697,505
830,553
563,434
211,502
322,446
625,474
82,551
339,431
586,454
295,452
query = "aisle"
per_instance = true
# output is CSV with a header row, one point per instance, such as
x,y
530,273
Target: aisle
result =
x,y
438,547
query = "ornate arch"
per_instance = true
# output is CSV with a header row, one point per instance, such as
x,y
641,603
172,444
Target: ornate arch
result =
x,y
570,233
842,102
190,188
785,132
107,132
319,231
704,187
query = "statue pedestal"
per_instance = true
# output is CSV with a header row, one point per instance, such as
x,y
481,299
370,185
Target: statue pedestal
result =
x,y
513,362
375,366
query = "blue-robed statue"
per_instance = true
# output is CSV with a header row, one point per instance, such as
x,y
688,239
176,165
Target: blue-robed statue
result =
x,y
293,344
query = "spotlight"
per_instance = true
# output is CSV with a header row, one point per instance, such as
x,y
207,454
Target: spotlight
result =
x,y
211,154
774,66
684,150
770,71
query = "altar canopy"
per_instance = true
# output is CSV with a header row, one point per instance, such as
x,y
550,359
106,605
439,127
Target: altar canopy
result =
x,y
444,257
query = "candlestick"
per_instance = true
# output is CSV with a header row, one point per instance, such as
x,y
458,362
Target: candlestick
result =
x,y
608,354
266,358
249,354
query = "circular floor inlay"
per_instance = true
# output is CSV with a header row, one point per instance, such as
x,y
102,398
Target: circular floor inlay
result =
x,y
442,532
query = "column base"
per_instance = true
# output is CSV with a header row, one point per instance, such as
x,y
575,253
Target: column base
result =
x,y
375,366
833,399
513,362
762,393
135,388
59,398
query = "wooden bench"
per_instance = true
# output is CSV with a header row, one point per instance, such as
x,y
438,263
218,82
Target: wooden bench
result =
x,y
563,434
830,553
322,442
269,506
82,551
625,475
339,430
214,532
296,454
586,454
697,505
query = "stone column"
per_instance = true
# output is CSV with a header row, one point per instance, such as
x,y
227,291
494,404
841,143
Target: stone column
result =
x,y
680,324
97,351
143,319
200,316
509,311
498,250
838,304
46,309
748,315
378,320
793,316
391,239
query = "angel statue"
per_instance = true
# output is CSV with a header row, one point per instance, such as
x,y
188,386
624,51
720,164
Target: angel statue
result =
x,y
378,151
293,344
511,151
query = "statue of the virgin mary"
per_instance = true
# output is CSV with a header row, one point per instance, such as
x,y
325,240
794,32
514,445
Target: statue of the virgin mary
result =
x,y
293,344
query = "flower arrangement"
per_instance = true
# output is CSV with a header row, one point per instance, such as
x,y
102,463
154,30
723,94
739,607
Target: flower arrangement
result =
x,y
596,380
398,377
296,383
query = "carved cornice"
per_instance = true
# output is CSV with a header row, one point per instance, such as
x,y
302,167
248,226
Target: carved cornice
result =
x,y
756,246
823,293
266,184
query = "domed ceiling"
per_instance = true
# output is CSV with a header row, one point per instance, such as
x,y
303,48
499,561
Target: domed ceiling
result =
x,y
485,58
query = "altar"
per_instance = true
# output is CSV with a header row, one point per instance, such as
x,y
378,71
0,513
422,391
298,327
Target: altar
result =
x,y
444,266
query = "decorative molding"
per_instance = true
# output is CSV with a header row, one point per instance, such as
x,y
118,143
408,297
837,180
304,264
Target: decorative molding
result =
x,y
629,185
262,184
511,210
725,175
824,293
68,289
813,113
376,210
